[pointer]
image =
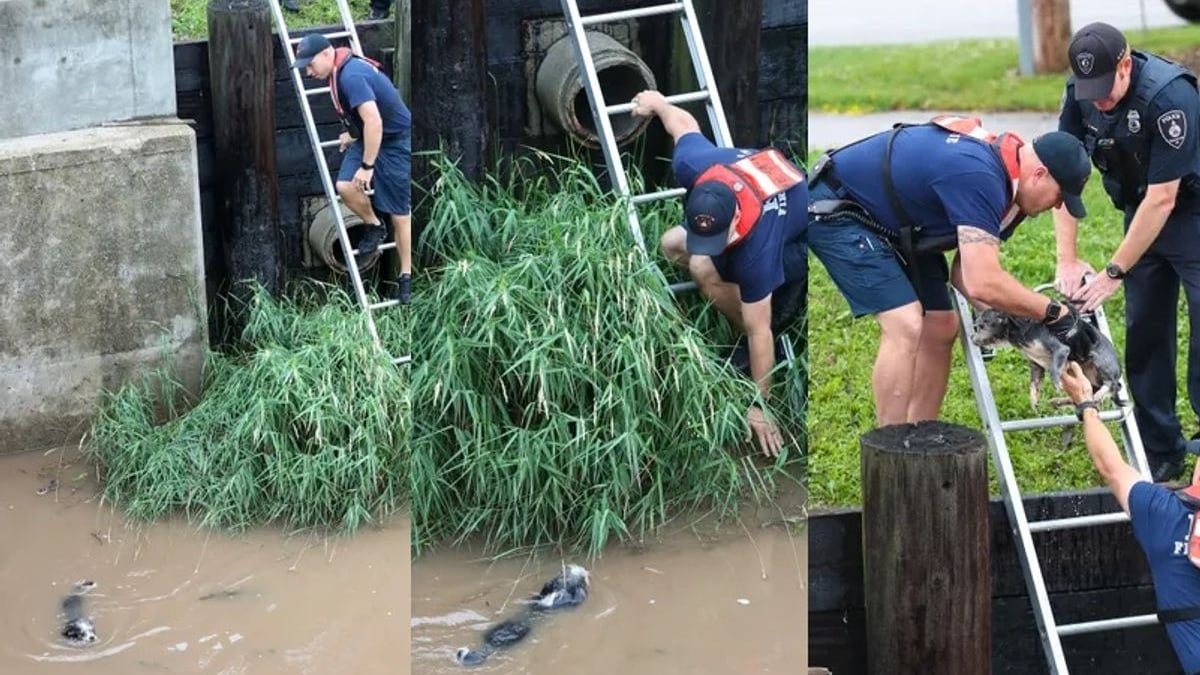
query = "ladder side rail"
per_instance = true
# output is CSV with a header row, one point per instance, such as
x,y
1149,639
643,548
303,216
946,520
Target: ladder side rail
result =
x,y
1130,434
704,74
1018,522
348,25
591,81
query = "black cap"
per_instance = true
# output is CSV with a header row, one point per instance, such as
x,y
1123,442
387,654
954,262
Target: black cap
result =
x,y
1094,53
1067,161
710,208
309,47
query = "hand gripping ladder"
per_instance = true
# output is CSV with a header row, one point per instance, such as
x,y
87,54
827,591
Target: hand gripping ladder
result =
x,y
1022,529
601,110
349,253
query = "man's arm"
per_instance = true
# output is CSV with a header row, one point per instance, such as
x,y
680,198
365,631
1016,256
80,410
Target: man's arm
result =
x,y
986,282
677,121
1107,459
1069,270
372,130
756,319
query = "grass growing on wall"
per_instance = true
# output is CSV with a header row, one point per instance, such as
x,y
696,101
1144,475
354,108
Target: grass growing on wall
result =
x,y
305,425
189,18
560,396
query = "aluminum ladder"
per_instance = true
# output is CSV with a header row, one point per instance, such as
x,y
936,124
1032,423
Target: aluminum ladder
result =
x,y
577,25
349,253
1050,632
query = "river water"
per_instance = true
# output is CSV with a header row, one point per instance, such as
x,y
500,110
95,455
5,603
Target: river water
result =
x,y
173,599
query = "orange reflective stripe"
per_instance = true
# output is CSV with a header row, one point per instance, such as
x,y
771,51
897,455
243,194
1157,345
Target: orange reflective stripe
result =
x,y
1010,145
340,56
754,180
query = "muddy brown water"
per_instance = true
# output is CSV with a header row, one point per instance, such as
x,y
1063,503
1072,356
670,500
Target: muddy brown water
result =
x,y
696,602
174,599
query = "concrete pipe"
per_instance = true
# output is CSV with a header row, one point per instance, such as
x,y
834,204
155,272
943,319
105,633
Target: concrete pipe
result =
x,y
324,242
561,92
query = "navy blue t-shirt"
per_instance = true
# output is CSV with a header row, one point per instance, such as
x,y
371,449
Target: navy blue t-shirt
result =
x,y
360,82
768,256
944,180
1161,523
1173,114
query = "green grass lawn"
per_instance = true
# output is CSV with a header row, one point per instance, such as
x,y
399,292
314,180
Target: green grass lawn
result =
x,y
842,352
952,75
189,17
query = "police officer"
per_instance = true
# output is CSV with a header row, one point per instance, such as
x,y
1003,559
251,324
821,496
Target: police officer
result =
x,y
883,210
1164,523
742,240
1137,114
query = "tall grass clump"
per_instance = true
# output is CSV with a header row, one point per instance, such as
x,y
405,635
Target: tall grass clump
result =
x,y
560,395
304,423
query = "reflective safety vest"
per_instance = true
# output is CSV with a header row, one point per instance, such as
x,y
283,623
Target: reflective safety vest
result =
x,y
754,180
1008,145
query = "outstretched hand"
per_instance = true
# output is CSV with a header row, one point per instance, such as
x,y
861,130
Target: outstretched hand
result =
x,y
1076,384
770,441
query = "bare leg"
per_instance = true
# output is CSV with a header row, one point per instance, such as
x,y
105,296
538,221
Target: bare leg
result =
x,y
357,201
722,293
403,231
674,246
932,373
892,379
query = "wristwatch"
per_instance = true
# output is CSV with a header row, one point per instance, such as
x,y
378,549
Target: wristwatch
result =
x,y
1114,271
1053,312
1079,408
368,167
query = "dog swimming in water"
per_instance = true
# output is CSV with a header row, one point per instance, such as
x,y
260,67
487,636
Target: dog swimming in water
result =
x,y
1045,352
78,628
567,589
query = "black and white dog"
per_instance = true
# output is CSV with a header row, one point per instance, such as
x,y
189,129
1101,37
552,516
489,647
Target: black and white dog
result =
x,y
78,628
567,589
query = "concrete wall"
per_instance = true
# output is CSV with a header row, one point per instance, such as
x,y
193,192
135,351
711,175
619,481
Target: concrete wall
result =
x,y
70,64
100,233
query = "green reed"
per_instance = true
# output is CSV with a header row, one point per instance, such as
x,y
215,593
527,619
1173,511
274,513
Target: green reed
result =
x,y
560,395
304,423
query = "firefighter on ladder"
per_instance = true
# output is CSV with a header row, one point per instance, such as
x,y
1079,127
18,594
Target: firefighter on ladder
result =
x,y
884,210
742,240
1165,522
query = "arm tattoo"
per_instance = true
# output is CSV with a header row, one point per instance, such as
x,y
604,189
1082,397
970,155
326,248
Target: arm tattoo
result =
x,y
974,235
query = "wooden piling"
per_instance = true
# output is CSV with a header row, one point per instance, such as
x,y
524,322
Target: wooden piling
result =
x,y
926,561
449,82
241,67
732,34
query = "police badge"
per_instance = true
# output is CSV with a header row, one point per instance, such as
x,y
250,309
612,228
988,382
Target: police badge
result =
x,y
1135,121
1085,61
1172,126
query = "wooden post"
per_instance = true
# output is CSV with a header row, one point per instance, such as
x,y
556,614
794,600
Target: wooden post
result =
x,y
449,82
1052,35
402,68
241,64
732,33
926,562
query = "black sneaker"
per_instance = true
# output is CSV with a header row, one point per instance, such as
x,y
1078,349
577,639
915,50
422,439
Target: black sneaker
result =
x,y
1165,470
371,240
291,5
404,288
377,14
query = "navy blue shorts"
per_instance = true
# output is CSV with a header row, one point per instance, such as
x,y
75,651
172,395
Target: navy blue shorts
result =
x,y
393,174
865,268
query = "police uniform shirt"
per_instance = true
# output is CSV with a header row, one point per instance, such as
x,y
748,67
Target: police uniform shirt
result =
x,y
943,180
769,255
1170,122
359,82
1160,524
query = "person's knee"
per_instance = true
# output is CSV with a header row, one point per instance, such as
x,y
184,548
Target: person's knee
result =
x,y
345,188
939,329
673,244
702,271
901,328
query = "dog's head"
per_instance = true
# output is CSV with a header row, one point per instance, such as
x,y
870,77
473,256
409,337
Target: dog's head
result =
x,y
79,632
568,588
991,327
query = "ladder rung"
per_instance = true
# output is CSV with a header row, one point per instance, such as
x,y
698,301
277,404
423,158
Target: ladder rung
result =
x,y
1078,521
1108,624
383,305
610,17
656,196
330,144
1058,421
382,247
402,359
701,95
316,90
330,36
682,287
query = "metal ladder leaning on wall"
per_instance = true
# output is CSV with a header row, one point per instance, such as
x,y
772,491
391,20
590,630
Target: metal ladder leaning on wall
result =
x,y
601,110
1050,632
318,148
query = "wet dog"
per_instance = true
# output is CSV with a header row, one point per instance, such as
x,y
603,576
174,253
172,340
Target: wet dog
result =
x,y
78,628
1046,353
567,589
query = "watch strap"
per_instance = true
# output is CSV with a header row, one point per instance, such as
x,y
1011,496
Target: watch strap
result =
x,y
1080,407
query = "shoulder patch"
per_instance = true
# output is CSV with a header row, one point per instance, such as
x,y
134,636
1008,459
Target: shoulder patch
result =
x,y
1172,126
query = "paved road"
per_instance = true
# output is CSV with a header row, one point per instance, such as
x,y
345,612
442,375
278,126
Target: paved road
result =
x,y
831,131
849,22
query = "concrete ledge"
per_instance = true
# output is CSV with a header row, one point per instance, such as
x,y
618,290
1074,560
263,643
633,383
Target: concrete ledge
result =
x,y
101,233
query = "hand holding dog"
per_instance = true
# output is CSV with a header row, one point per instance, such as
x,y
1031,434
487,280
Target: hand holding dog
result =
x,y
1096,291
1069,276
1073,331
1076,384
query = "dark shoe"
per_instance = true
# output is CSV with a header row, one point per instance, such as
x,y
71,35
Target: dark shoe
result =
x,y
371,240
377,15
291,5
404,288
1164,470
